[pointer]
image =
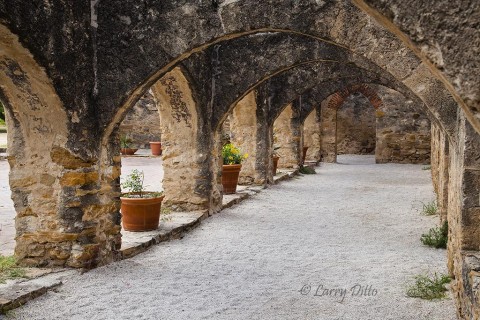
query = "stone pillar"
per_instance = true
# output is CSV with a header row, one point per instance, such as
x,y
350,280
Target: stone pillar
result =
x,y
243,134
328,133
439,169
62,217
288,133
464,220
312,135
183,157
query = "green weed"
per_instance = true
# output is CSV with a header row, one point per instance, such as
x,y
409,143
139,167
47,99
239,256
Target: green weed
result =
x,y
429,287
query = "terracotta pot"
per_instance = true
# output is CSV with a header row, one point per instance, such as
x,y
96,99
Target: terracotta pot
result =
x,y
275,164
156,148
141,214
128,151
230,174
304,154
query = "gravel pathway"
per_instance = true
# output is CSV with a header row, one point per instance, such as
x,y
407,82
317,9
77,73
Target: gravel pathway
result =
x,y
354,226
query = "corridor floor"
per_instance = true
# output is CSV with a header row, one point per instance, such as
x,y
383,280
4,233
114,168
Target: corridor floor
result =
x,y
355,225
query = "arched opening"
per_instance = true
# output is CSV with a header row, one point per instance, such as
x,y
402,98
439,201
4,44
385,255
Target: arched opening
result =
x,y
398,131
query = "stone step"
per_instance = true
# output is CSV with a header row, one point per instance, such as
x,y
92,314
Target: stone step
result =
x,y
17,292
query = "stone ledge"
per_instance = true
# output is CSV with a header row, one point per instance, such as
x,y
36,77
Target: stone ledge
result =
x,y
284,174
17,292
243,192
172,226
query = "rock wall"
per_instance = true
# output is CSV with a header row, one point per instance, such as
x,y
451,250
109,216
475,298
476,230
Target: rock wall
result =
x,y
403,130
142,122
356,126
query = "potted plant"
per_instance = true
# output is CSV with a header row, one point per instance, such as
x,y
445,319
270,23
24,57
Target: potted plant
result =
x,y
125,143
156,148
140,209
232,164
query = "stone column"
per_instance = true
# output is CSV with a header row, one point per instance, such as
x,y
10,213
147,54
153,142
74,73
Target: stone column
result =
x,y
288,133
439,169
312,135
243,134
183,157
464,219
328,133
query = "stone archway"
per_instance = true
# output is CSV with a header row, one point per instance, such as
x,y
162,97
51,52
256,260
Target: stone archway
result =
x,y
329,117
103,44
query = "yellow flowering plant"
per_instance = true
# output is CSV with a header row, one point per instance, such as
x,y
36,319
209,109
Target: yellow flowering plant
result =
x,y
232,155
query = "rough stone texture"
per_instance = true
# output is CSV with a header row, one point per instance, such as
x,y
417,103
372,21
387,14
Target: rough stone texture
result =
x,y
142,122
290,144
439,168
402,130
312,135
243,125
179,131
446,33
356,126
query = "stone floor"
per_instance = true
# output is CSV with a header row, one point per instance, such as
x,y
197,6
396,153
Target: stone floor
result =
x,y
354,226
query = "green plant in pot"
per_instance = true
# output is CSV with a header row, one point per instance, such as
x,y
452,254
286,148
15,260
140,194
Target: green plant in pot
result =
x,y
140,209
232,164
125,146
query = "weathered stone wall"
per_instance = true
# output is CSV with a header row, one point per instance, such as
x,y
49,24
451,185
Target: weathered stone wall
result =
x,y
142,122
356,126
402,130
312,135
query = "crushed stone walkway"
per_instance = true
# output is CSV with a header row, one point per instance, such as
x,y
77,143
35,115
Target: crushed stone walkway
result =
x,y
354,225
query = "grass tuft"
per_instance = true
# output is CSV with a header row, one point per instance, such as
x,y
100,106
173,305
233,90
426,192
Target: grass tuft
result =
x,y
429,287
430,208
9,269
436,237
306,170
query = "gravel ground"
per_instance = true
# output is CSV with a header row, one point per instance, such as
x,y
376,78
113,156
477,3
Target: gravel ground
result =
x,y
353,225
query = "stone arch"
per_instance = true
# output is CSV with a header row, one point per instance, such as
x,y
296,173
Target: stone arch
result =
x,y
337,99
329,116
38,156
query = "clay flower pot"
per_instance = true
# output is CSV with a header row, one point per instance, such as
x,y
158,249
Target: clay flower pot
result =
x,y
156,148
275,164
230,174
304,154
128,151
141,214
